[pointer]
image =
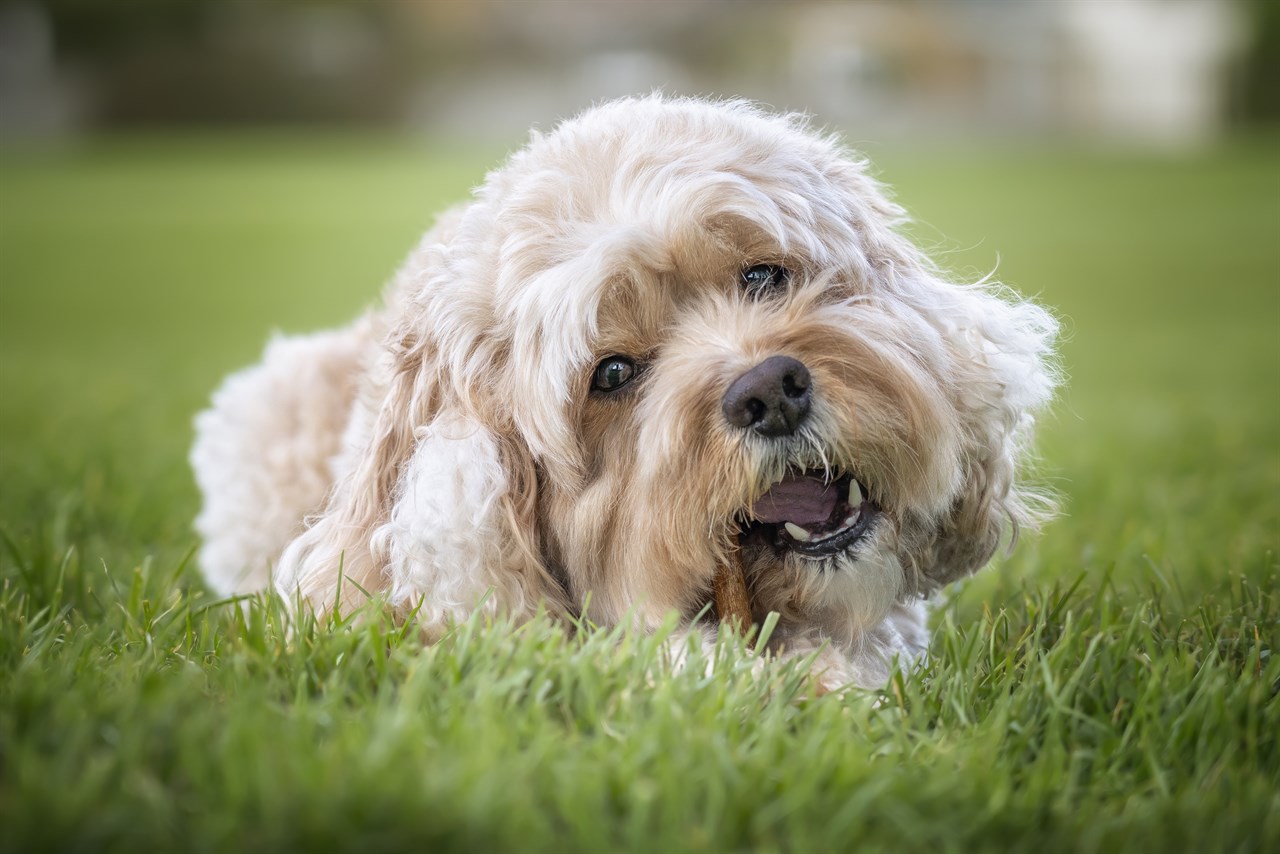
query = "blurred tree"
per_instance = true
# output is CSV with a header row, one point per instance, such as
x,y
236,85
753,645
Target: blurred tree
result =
x,y
209,61
1259,90
94,30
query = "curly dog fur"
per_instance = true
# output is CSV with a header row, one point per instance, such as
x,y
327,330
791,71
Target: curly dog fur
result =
x,y
581,392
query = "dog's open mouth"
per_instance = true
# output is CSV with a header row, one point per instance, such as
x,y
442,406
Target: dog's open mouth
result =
x,y
813,514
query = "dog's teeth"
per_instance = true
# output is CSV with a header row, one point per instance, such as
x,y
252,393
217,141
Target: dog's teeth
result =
x,y
796,532
855,494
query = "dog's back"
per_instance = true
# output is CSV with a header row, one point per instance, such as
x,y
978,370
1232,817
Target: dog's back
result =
x,y
270,447
264,451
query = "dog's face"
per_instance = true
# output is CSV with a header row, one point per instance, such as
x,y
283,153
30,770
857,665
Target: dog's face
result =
x,y
670,329
697,328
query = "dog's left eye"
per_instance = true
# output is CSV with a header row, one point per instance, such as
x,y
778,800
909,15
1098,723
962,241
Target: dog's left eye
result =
x,y
764,277
613,373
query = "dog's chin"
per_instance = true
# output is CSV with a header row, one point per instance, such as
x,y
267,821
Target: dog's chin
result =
x,y
834,514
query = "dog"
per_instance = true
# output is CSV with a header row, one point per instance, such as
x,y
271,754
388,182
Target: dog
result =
x,y
667,334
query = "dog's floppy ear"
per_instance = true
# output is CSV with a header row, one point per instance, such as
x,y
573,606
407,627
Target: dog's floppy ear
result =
x,y
1003,374
461,529
437,508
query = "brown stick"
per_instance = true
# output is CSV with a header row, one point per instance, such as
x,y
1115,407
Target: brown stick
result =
x,y
730,589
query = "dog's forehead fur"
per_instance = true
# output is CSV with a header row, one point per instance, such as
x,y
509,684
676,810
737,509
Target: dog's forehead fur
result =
x,y
657,187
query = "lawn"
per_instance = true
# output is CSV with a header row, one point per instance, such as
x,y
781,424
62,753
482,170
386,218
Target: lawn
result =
x,y
1112,685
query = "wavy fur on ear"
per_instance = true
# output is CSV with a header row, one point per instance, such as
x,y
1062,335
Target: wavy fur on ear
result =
x,y
437,505
1000,372
1004,374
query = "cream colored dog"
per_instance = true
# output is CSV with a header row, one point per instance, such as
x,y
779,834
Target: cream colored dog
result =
x,y
664,331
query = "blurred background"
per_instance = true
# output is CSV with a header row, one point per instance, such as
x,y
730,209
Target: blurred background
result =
x,y
1162,72
179,178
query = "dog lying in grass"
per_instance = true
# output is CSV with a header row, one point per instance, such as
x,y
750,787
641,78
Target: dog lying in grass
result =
x,y
668,337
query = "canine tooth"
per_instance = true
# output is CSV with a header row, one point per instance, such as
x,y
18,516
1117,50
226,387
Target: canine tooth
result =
x,y
855,493
797,532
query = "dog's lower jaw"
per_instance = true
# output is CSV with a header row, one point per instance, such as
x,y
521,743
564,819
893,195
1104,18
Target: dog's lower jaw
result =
x,y
860,592
855,611
845,594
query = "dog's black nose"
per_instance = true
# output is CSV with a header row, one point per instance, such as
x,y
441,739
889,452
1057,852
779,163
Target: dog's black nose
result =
x,y
772,398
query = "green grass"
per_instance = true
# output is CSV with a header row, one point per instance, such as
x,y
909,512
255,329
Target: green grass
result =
x,y
1111,686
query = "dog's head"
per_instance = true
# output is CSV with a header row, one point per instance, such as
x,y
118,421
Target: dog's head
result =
x,y
673,328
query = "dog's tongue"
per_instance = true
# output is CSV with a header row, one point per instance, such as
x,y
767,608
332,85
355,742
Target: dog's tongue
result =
x,y
797,498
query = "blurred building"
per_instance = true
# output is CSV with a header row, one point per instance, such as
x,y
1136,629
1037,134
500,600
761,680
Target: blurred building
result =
x,y
1156,71
1149,70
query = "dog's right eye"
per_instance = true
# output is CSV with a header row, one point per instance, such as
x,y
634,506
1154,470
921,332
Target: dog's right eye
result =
x,y
613,373
763,278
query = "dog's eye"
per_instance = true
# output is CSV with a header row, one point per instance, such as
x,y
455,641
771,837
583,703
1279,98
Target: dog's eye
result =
x,y
613,373
764,277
